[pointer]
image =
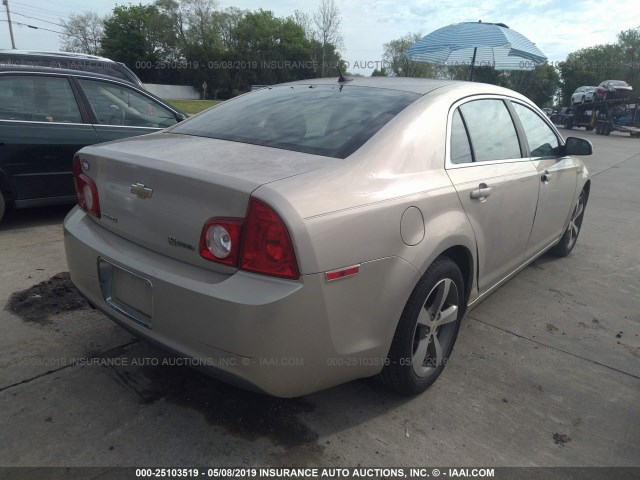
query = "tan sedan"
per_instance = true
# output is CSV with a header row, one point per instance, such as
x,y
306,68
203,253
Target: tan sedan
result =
x,y
316,232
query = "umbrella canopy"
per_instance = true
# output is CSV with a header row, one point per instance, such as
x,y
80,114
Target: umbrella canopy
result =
x,y
478,44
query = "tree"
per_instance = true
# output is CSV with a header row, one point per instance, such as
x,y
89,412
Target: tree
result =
x,y
269,50
82,33
395,56
539,85
306,22
590,66
327,23
137,36
629,42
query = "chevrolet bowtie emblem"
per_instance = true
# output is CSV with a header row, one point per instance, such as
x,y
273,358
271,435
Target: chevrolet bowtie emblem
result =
x,y
141,190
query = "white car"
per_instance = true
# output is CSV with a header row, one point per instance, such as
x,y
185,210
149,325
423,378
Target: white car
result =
x,y
583,94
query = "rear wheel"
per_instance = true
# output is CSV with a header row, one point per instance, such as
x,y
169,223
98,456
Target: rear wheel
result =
x,y
570,236
427,330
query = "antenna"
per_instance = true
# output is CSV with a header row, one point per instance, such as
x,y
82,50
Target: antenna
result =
x,y
342,78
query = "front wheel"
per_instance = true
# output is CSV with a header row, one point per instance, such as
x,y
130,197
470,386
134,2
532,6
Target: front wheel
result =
x,y
570,236
427,329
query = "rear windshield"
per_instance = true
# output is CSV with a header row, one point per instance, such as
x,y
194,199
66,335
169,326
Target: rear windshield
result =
x,y
618,83
333,121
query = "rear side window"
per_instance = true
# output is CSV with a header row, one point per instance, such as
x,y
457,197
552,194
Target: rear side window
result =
x,y
115,104
324,120
493,135
38,99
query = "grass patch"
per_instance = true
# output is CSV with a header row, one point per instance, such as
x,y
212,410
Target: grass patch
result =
x,y
193,106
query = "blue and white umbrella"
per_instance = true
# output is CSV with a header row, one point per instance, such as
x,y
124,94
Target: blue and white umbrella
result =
x,y
478,44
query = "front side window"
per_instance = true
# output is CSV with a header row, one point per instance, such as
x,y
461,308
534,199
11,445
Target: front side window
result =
x,y
38,98
542,140
115,104
493,135
329,120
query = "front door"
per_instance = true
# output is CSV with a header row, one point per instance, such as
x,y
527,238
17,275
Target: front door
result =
x,y
557,176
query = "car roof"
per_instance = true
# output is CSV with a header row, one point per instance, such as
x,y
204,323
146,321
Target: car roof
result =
x,y
407,84
55,54
421,86
7,67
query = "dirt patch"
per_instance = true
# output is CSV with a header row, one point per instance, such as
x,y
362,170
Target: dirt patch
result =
x,y
39,303
561,438
240,412
551,328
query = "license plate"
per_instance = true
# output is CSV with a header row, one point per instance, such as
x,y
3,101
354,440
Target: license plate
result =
x,y
127,292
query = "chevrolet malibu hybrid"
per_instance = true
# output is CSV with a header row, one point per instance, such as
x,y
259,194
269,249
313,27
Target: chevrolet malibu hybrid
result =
x,y
345,226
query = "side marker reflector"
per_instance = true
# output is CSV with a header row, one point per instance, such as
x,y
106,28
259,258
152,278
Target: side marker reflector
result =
x,y
341,273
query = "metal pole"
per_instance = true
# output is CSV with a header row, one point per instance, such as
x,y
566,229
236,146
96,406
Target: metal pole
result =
x,y
13,42
473,62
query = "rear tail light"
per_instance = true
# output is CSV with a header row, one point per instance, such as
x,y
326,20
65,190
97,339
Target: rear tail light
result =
x,y
260,243
267,247
86,189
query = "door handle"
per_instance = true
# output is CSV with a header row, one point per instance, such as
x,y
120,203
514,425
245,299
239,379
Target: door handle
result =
x,y
546,176
481,193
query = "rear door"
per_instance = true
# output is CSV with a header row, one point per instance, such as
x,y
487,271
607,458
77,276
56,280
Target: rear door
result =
x,y
120,111
497,187
41,128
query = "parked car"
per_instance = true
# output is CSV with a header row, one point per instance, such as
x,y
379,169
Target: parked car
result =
x,y
558,117
316,232
613,89
583,95
70,61
548,111
46,115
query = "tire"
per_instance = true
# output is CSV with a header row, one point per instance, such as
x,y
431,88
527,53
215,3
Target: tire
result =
x,y
3,205
570,236
427,329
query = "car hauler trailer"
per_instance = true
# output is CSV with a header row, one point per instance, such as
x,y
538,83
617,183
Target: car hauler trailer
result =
x,y
606,116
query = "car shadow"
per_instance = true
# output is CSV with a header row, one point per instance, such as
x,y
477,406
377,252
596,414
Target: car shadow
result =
x,y
152,374
17,219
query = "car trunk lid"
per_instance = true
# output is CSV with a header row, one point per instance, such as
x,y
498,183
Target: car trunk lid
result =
x,y
159,190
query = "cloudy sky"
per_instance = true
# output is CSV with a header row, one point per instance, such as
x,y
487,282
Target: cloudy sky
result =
x,y
558,27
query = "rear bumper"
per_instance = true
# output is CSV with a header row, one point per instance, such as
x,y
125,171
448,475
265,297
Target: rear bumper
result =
x,y
286,338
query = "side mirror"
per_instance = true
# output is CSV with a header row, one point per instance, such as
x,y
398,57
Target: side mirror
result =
x,y
180,117
578,146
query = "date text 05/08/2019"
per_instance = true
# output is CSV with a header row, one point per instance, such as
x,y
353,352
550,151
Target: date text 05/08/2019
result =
x,y
358,472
